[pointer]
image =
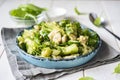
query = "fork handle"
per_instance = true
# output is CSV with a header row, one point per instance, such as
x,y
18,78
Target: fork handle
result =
x,y
112,33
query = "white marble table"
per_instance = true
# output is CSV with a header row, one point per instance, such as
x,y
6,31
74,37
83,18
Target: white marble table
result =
x,y
109,9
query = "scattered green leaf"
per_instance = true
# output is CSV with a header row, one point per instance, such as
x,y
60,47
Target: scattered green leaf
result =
x,y
78,12
97,21
117,69
86,78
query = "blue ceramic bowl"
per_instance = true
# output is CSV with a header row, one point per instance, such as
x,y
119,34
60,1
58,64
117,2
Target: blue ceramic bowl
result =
x,y
57,64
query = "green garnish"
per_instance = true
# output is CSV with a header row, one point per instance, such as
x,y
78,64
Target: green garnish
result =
x,y
97,21
117,69
27,11
78,12
86,78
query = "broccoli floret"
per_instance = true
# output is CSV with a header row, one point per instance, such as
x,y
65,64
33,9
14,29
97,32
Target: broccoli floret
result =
x,y
32,47
21,43
46,52
72,49
49,26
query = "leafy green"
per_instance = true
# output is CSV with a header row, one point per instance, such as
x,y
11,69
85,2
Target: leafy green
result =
x,y
97,21
18,13
93,37
71,28
78,12
86,32
49,26
27,11
32,9
117,69
86,78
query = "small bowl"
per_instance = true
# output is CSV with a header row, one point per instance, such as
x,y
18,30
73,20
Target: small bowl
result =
x,y
53,14
58,64
22,22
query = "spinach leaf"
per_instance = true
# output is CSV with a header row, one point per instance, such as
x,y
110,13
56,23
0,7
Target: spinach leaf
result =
x,y
97,21
117,69
78,12
27,11
86,78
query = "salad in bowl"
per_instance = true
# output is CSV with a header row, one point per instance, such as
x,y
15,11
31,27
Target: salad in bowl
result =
x,y
61,44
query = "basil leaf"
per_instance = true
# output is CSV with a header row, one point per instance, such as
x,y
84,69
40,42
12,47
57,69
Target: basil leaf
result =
x,y
117,69
97,21
86,78
27,11
78,12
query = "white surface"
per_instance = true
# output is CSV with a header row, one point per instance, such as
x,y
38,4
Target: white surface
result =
x,y
74,76
113,11
103,72
52,14
110,10
5,71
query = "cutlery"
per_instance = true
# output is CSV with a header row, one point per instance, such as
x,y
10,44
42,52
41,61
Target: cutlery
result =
x,y
99,21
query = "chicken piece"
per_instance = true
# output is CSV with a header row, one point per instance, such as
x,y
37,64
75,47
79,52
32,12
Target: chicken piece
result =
x,y
72,37
52,33
57,38
56,57
64,38
37,27
83,39
71,56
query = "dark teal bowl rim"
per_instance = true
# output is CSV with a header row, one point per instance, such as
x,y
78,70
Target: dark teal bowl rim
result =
x,y
50,59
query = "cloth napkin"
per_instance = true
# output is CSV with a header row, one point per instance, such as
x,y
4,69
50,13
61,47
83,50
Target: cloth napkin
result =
x,y
22,70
